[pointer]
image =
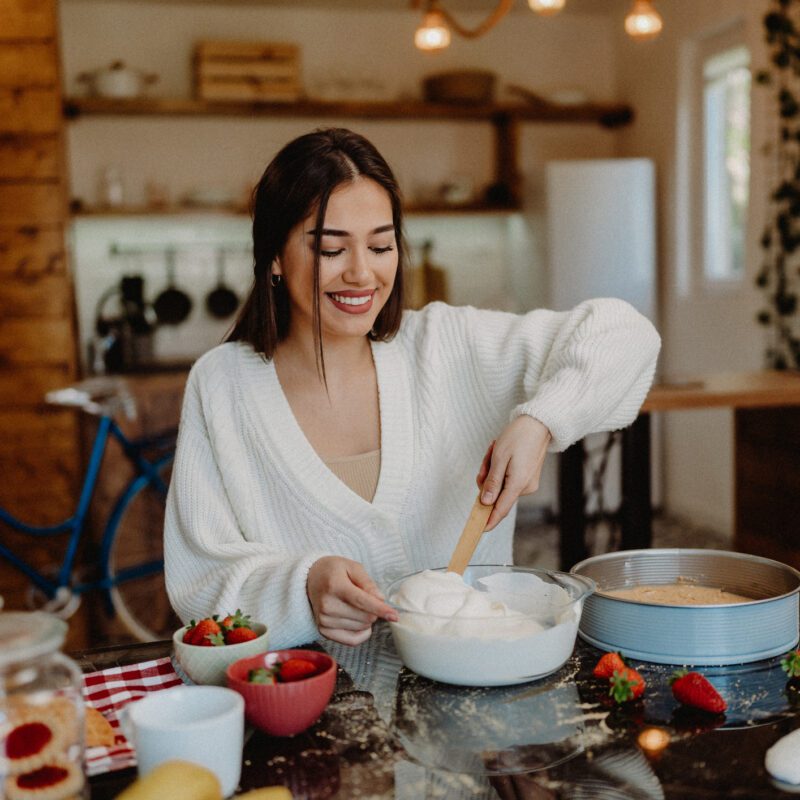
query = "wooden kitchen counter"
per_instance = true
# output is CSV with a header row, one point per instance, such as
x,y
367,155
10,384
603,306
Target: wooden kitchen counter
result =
x,y
762,389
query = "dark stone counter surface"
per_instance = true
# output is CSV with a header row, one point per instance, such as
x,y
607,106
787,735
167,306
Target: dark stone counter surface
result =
x,y
406,737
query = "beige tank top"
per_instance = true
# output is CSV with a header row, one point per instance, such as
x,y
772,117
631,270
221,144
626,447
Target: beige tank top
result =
x,y
359,473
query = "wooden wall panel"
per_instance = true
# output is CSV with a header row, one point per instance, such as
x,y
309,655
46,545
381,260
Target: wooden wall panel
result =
x,y
28,64
40,456
27,19
37,203
32,383
36,342
29,110
44,296
31,250
30,157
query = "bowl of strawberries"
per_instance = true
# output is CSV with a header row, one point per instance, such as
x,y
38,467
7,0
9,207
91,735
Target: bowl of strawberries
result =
x,y
285,691
205,648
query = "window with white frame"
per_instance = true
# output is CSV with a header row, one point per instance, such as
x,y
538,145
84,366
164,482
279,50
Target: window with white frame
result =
x,y
726,157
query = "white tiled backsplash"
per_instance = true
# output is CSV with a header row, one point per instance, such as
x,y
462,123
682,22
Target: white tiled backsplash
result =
x,y
487,258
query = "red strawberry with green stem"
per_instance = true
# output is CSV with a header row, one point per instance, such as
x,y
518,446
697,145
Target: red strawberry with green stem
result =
x,y
694,689
237,620
608,664
626,684
790,664
204,632
295,669
239,635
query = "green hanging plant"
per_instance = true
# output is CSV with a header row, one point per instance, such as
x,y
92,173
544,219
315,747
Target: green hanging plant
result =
x,y
779,276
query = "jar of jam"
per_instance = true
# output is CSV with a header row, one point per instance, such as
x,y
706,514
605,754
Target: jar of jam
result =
x,y
41,711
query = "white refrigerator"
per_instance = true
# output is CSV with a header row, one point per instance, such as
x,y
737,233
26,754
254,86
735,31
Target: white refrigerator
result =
x,y
601,233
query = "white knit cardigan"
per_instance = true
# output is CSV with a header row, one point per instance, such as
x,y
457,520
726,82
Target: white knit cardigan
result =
x,y
252,506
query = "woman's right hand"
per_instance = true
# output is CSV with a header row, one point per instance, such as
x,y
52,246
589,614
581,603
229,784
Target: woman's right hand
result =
x,y
345,600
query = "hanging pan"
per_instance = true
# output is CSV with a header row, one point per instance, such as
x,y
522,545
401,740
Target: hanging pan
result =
x,y
222,301
173,305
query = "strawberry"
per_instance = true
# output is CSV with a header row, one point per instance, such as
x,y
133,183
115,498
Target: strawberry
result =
x,y
626,684
204,631
693,689
791,664
238,635
608,664
261,675
236,620
295,669
189,633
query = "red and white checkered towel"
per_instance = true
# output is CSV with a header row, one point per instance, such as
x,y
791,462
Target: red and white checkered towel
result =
x,y
110,690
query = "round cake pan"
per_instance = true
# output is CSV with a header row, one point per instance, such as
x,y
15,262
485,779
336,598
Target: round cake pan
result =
x,y
733,633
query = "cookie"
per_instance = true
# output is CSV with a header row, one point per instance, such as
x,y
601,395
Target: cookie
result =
x,y
57,779
99,732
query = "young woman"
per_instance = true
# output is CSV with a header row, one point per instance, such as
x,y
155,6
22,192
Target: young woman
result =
x,y
332,443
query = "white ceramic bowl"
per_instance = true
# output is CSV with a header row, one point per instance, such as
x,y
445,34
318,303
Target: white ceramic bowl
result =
x,y
207,665
495,651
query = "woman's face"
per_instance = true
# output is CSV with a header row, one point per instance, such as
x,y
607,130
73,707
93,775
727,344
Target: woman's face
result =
x,y
358,262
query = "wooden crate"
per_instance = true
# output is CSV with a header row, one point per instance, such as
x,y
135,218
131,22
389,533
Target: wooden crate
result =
x,y
266,72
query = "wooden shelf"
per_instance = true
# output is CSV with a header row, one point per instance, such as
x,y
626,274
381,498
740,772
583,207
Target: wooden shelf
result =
x,y
411,209
606,114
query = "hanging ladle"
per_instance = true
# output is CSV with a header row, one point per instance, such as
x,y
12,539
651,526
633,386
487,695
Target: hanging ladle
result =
x,y
173,305
222,301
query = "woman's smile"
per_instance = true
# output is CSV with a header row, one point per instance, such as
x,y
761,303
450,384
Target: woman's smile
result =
x,y
351,301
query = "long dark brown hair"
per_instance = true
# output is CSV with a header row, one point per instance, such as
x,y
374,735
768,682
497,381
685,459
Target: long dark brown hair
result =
x,y
299,180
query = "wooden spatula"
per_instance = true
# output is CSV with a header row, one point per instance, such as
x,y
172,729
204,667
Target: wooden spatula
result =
x,y
470,536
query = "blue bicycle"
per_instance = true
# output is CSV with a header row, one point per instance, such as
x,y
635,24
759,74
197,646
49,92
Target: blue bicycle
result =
x,y
129,567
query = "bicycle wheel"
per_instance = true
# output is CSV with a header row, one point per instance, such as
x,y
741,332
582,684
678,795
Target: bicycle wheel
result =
x,y
135,565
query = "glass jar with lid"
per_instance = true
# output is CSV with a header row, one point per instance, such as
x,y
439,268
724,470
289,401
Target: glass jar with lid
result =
x,y
41,710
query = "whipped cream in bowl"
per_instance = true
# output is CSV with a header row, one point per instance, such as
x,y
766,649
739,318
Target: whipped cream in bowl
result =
x,y
495,626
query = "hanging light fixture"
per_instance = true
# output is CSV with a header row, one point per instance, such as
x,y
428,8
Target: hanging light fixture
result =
x,y
643,21
433,33
546,7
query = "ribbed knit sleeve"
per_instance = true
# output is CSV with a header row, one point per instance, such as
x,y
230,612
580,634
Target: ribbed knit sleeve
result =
x,y
209,565
579,372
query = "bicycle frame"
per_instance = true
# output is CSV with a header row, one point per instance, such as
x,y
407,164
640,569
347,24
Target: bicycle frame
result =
x,y
146,472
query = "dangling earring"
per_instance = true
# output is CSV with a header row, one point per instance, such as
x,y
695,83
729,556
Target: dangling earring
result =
x,y
274,279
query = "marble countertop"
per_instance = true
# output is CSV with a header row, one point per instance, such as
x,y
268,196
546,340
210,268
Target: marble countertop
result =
x,y
389,733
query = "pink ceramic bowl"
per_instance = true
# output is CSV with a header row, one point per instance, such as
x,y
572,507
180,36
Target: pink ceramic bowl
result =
x,y
283,709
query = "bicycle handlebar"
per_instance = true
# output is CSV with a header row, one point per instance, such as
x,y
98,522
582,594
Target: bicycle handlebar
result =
x,y
103,396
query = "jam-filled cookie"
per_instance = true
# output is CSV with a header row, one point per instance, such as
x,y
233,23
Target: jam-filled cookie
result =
x,y
31,741
57,779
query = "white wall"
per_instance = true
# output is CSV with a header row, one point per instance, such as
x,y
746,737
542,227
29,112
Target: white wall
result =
x,y
705,328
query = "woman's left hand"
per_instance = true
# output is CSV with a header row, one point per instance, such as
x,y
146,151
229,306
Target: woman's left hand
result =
x,y
512,465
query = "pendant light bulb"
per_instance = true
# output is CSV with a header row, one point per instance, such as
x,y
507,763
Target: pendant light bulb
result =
x,y
546,7
433,33
643,21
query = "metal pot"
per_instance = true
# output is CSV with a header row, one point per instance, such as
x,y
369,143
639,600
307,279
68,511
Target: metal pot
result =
x,y
117,80
172,305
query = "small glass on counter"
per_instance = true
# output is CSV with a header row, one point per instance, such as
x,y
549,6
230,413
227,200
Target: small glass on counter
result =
x,y
41,710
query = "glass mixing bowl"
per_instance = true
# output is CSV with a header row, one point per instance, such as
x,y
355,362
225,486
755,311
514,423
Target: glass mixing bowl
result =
x,y
497,649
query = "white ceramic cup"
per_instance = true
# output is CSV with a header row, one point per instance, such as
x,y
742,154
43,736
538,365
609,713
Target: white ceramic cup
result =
x,y
202,724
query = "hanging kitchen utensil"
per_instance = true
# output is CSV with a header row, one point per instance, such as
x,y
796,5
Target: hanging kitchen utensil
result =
x,y
173,305
222,301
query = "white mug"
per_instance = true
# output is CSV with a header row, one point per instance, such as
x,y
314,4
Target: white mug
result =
x,y
202,724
